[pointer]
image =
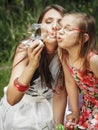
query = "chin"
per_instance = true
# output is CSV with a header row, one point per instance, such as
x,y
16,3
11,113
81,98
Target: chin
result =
x,y
52,40
60,44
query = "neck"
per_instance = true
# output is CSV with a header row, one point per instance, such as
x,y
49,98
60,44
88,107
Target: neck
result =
x,y
73,58
76,62
73,52
50,49
51,52
50,55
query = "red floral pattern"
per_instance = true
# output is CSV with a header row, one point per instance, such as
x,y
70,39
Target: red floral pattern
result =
x,y
88,84
89,111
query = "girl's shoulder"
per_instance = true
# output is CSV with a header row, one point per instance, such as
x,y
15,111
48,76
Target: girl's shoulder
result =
x,y
92,56
92,53
93,62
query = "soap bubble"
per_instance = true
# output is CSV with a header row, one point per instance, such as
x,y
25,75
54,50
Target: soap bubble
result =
x,y
35,29
34,32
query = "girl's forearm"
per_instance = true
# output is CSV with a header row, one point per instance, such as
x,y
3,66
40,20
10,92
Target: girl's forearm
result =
x,y
59,107
71,88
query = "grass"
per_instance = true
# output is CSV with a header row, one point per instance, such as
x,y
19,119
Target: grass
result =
x,y
4,76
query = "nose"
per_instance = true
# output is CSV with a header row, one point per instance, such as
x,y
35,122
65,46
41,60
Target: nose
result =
x,y
55,26
60,31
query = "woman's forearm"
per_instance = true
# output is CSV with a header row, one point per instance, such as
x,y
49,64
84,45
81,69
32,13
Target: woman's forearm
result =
x,y
13,95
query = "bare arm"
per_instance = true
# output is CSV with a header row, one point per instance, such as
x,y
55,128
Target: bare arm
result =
x,y
72,92
24,70
59,106
71,87
94,64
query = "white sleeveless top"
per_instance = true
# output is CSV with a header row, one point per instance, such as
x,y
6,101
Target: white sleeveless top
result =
x,y
32,112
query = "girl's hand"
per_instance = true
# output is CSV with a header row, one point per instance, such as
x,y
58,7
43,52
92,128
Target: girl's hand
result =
x,y
72,120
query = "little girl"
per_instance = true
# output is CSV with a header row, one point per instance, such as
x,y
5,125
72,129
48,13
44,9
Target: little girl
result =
x,y
78,53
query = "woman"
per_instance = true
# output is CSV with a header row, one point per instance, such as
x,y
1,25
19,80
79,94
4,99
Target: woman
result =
x,y
27,104
77,42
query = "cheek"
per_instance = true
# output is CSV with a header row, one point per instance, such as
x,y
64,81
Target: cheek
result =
x,y
68,41
73,39
43,31
46,30
49,28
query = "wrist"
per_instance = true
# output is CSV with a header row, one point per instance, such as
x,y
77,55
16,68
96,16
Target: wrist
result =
x,y
76,112
20,87
32,66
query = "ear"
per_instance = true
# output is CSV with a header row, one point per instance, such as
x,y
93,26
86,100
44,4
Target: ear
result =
x,y
86,37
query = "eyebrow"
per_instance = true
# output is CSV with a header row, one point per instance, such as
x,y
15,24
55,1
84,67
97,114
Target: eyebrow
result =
x,y
49,18
53,18
68,25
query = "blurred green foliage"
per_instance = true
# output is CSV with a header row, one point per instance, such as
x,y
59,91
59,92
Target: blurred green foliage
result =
x,y
4,76
17,15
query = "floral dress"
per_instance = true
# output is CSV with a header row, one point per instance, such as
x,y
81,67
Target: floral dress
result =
x,y
88,84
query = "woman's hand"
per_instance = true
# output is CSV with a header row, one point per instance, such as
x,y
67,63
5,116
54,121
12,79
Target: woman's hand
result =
x,y
34,52
25,64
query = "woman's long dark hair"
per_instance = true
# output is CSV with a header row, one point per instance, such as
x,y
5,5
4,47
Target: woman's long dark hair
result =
x,y
44,63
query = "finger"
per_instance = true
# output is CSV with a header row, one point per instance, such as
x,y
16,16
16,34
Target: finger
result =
x,y
36,43
76,120
37,49
39,52
35,46
69,117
